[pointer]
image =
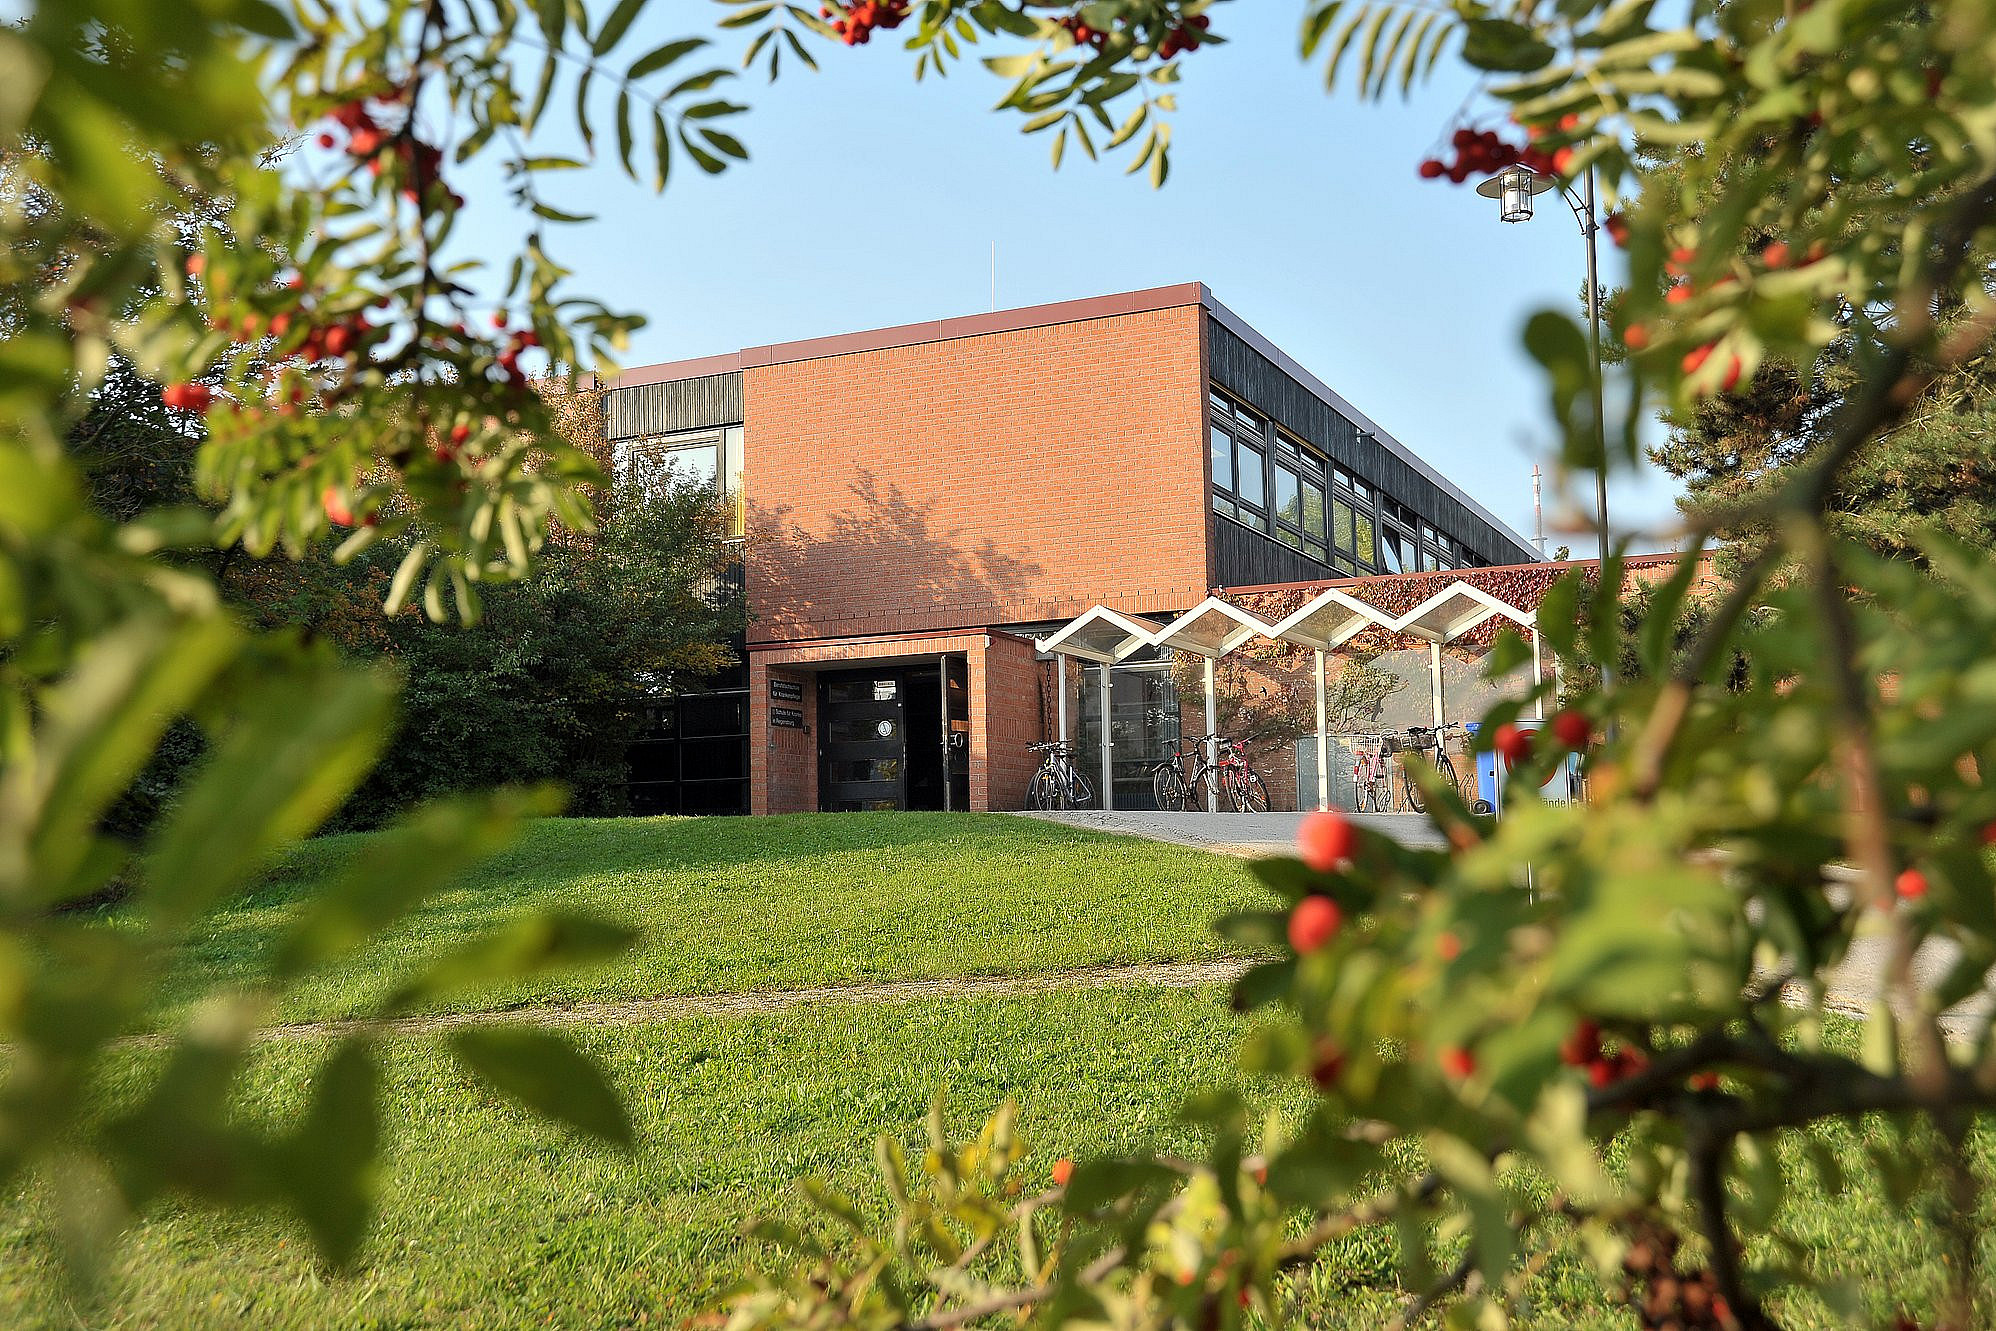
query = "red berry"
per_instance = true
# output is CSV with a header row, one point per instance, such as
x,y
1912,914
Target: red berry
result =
x,y
1514,743
1432,168
1911,885
326,140
1063,1170
1449,946
1583,1046
1635,337
459,433
1313,923
1683,256
1326,840
1989,834
1696,357
1572,728
196,264
1775,255
1327,1066
1705,1081
1734,368
1677,295
187,397
1458,1063
1617,227
336,507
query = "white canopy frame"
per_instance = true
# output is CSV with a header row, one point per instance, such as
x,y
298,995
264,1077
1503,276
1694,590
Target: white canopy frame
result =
x,y
1326,622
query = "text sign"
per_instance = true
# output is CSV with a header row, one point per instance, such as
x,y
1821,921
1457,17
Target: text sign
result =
x,y
786,690
786,718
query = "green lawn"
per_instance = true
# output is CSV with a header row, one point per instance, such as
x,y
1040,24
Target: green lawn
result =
x,y
491,1219
729,904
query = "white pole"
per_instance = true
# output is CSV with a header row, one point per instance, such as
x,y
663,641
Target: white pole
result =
x,y
1060,676
1323,739
1212,745
1435,673
1108,786
1538,672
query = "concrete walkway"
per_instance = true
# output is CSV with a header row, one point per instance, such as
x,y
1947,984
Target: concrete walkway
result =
x,y
1250,834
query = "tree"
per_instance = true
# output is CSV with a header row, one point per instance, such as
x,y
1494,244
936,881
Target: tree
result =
x,y
1733,450
1504,1024
1445,1004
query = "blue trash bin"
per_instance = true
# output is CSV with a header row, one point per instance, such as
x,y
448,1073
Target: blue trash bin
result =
x,y
1558,786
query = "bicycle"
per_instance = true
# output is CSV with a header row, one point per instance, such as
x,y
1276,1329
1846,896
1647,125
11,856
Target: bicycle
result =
x,y
1372,772
1172,792
1058,784
1229,775
1432,743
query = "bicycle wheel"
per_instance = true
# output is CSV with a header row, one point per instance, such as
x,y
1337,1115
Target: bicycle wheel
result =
x,y
1167,784
1246,792
1079,793
1039,792
1380,790
1415,801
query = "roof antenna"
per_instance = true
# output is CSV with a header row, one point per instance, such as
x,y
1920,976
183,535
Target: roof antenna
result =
x,y
1538,515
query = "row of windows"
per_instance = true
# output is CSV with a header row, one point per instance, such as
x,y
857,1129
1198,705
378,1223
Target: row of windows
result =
x,y
1267,480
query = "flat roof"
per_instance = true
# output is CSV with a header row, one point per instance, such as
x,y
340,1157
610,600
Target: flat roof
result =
x,y
1044,316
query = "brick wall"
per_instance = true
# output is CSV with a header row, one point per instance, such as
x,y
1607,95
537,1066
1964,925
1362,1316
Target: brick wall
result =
x,y
1002,478
783,763
1005,688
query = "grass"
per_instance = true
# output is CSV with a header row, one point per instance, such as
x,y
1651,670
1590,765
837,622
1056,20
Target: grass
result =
x,y
491,1219
732,904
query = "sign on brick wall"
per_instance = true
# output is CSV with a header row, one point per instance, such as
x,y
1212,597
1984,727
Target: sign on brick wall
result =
x,y
786,718
786,690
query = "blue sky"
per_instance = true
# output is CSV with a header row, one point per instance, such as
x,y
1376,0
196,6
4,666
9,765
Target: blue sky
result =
x,y
873,200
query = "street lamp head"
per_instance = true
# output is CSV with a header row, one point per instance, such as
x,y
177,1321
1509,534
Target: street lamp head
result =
x,y
1513,188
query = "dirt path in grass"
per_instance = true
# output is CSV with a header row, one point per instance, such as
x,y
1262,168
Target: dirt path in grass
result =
x,y
641,1011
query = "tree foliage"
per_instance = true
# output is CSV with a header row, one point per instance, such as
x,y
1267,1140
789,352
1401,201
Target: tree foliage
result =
x,y
1499,1022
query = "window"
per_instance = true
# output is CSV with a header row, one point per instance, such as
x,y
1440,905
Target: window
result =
x,y
1391,551
1235,444
1363,546
1288,495
1252,485
1341,524
1313,511
676,459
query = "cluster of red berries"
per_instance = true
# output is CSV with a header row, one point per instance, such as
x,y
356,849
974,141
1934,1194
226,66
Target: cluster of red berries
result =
x,y
1514,743
516,342
856,24
1484,152
368,141
1604,1067
1185,37
1666,1299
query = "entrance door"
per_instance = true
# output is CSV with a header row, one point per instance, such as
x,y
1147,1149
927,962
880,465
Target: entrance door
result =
x,y
864,752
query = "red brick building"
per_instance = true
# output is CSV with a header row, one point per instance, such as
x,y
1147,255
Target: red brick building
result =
x,y
917,503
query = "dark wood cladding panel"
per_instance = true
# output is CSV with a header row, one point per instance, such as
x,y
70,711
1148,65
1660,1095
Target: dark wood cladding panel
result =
x,y
681,404
1247,374
1244,558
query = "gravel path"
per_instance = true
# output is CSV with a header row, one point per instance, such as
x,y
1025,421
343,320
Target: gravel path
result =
x,y
644,1011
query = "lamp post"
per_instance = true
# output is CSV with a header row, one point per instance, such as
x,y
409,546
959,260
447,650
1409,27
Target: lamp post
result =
x,y
1514,188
